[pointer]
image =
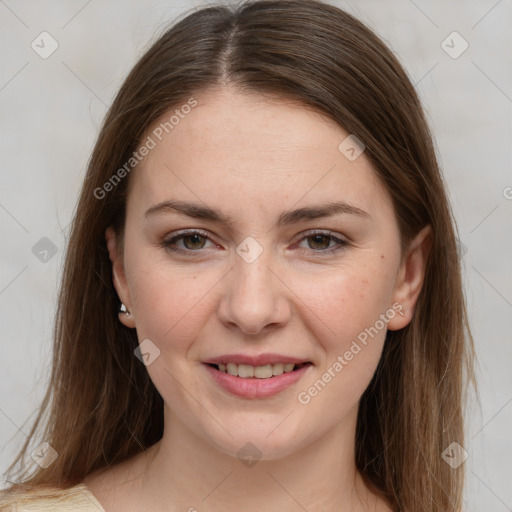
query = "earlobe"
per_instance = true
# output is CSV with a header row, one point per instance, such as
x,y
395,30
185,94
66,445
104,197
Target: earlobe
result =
x,y
126,316
410,277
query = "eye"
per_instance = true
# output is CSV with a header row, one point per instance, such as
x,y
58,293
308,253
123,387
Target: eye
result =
x,y
319,242
193,241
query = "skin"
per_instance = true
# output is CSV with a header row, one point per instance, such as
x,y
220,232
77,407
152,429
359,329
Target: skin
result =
x,y
252,157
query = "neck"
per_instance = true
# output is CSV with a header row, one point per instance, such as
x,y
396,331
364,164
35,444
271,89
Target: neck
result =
x,y
186,471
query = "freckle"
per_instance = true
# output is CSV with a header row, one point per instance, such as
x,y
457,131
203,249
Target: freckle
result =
x,y
382,256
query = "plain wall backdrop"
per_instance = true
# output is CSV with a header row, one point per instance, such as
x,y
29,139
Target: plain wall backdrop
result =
x,y
51,109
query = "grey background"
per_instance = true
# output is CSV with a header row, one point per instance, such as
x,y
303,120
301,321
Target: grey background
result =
x,y
51,109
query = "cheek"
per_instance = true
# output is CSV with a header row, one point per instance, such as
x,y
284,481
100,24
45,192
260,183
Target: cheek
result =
x,y
350,329
347,300
352,310
170,302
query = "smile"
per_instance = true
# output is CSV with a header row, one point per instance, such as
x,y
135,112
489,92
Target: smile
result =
x,y
247,371
249,381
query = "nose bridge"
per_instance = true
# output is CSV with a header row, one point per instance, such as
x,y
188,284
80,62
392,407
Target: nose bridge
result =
x,y
253,266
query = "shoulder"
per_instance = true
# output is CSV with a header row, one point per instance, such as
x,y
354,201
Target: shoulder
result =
x,y
45,499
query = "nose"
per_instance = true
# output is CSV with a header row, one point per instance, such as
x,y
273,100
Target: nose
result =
x,y
255,298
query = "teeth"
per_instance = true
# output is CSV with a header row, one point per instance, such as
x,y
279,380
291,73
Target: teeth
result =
x,y
246,371
278,369
262,372
232,369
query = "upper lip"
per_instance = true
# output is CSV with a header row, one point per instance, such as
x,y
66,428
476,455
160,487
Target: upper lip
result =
x,y
259,360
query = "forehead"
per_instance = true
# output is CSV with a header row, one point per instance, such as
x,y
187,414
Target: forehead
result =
x,y
230,122
259,146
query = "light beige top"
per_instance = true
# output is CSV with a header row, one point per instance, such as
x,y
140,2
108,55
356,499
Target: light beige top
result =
x,y
78,498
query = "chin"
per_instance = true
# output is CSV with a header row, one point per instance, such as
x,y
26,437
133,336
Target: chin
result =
x,y
256,444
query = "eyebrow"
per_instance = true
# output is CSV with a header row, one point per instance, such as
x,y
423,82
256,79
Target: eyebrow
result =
x,y
197,211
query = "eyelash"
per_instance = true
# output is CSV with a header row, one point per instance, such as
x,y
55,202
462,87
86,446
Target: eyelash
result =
x,y
168,244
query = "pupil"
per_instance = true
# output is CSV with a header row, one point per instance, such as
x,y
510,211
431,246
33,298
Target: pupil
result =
x,y
192,236
316,237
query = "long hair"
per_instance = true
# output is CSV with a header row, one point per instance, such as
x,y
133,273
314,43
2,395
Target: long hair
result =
x,y
101,407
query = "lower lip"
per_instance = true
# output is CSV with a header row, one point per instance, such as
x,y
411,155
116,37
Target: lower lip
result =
x,y
256,388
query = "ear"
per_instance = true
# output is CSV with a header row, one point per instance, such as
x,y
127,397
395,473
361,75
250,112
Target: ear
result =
x,y
410,278
119,277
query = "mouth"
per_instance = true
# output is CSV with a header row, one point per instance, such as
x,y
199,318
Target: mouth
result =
x,y
256,382
268,371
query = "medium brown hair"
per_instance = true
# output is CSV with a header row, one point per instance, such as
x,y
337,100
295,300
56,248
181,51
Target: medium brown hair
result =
x,y
102,406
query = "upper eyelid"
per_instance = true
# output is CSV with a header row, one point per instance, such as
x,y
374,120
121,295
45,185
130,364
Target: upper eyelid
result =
x,y
186,232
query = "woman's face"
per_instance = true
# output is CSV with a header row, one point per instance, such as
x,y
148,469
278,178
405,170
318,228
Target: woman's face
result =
x,y
276,278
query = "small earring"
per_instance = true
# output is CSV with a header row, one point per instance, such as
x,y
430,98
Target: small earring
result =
x,y
124,309
400,311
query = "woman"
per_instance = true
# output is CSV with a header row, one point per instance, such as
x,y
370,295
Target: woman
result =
x,y
261,306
